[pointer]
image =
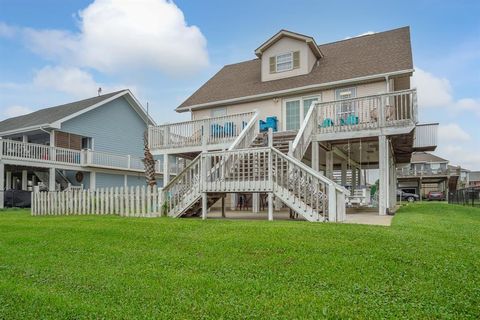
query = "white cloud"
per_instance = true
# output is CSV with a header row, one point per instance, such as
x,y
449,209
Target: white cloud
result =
x,y
436,92
70,80
433,91
7,31
452,132
362,34
465,155
135,35
73,81
15,111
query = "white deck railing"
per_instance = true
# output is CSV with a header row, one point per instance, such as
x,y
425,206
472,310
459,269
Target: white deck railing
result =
x,y
195,133
22,151
411,172
376,111
16,150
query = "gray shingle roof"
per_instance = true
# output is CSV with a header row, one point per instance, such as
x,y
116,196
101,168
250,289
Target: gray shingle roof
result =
x,y
52,114
426,157
368,55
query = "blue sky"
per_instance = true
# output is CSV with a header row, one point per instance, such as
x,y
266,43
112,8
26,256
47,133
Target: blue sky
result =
x,y
55,51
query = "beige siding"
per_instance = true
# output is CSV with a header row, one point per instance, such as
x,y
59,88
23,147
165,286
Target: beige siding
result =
x,y
274,107
402,83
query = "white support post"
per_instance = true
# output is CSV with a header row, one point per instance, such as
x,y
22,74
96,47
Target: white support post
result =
x,y
8,180
24,180
354,178
25,138
51,179
332,204
383,168
93,180
329,165
2,183
315,156
204,205
233,201
270,137
53,155
166,169
344,173
255,202
270,206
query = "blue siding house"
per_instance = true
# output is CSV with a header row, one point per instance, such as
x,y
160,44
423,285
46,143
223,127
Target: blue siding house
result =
x,y
91,143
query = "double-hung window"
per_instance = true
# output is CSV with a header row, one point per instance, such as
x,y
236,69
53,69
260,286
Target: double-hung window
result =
x,y
284,62
347,107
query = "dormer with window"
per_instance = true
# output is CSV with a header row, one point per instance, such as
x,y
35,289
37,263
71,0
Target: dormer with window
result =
x,y
287,54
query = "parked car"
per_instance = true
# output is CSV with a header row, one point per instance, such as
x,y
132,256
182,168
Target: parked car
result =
x,y
436,195
17,199
406,196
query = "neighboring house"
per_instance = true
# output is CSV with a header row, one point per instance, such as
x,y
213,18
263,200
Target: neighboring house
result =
x,y
96,142
474,179
427,172
342,107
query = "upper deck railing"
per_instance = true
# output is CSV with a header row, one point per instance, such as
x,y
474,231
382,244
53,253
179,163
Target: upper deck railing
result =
x,y
39,153
426,172
393,109
210,132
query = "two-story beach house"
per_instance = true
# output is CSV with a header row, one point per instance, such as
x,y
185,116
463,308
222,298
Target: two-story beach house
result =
x,y
427,172
341,107
92,143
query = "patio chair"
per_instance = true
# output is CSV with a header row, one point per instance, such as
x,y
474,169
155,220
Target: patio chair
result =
x,y
327,122
349,120
271,122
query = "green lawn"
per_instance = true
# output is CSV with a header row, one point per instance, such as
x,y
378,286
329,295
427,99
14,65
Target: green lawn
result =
x,y
426,265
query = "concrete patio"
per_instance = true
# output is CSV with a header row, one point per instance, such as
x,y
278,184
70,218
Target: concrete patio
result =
x,y
368,217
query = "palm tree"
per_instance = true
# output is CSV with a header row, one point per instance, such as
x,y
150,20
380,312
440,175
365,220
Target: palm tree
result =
x,y
149,163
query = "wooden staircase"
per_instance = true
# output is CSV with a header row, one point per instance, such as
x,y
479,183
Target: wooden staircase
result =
x,y
281,140
251,166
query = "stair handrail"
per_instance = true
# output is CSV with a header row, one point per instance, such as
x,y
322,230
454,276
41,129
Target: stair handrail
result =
x,y
173,200
316,174
180,174
304,135
242,139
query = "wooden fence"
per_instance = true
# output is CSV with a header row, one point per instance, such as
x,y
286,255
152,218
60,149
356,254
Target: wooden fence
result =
x,y
126,202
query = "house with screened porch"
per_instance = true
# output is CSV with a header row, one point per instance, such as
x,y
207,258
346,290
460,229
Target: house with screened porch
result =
x,y
298,127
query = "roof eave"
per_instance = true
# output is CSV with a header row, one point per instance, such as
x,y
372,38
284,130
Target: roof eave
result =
x,y
289,91
30,128
285,33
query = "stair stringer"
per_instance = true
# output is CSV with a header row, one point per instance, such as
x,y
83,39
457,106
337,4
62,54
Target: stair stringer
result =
x,y
297,204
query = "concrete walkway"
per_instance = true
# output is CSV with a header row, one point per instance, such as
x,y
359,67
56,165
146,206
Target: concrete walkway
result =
x,y
370,217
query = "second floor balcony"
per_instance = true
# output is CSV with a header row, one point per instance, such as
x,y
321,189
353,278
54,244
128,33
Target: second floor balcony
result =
x,y
386,110
34,154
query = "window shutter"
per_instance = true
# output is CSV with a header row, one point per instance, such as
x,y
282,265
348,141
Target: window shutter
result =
x,y
272,64
296,59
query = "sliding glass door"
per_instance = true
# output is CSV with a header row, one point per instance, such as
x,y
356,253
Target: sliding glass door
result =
x,y
296,110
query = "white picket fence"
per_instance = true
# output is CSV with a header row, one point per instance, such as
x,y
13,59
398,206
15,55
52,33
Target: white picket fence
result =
x,y
125,202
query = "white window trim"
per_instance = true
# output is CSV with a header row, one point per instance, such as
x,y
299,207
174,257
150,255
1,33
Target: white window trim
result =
x,y
302,116
218,109
291,62
351,89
